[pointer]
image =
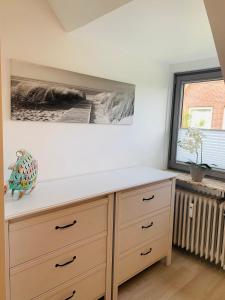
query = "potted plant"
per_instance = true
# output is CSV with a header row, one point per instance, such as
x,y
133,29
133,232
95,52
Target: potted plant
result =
x,y
193,143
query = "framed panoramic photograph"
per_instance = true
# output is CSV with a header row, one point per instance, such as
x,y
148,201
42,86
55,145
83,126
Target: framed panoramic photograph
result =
x,y
40,93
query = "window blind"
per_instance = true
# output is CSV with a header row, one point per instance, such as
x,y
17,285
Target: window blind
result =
x,y
213,148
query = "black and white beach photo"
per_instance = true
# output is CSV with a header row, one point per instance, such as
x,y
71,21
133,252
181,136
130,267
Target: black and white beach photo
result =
x,y
41,100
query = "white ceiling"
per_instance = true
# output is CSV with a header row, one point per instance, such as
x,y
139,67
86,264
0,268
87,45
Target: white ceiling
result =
x,y
76,13
171,31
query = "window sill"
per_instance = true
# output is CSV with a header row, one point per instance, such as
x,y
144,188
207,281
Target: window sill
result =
x,y
207,186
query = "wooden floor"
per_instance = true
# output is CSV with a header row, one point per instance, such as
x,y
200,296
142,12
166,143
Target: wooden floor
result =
x,y
188,278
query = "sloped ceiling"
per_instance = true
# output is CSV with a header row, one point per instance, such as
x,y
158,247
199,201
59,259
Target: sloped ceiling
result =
x,y
76,13
216,10
170,31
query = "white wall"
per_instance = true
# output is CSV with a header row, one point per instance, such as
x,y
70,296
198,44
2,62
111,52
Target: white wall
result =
x,y
30,32
202,64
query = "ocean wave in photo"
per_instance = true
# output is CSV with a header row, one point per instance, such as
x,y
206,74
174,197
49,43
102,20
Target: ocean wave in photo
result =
x,y
33,100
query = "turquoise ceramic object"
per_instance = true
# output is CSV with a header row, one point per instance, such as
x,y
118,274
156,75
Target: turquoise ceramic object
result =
x,y
24,173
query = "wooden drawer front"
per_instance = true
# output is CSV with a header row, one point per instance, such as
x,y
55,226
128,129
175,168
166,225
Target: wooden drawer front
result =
x,y
89,288
141,258
33,241
45,275
147,229
137,203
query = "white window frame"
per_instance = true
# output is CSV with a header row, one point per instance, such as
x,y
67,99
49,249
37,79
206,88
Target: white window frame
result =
x,y
224,119
209,108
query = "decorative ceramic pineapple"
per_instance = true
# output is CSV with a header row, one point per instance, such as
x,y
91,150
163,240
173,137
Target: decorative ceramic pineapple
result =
x,y
24,173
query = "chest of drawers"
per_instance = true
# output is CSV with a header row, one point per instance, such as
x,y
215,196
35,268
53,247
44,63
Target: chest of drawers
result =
x,y
63,250
143,229
80,238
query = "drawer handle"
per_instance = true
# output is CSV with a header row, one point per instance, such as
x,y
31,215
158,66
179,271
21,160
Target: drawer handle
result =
x,y
70,297
148,226
66,226
67,263
147,199
146,253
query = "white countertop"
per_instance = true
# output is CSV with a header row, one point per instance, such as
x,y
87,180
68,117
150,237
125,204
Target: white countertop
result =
x,y
55,193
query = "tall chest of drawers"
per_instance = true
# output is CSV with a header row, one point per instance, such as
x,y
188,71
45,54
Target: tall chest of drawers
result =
x,y
143,229
62,254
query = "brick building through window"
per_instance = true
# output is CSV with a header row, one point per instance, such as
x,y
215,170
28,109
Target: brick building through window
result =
x,y
204,105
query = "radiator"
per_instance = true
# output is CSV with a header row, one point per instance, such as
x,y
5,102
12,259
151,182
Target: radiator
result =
x,y
199,225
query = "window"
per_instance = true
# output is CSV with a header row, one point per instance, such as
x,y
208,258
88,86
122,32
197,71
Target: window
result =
x,y
224,119
199,101
200,117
